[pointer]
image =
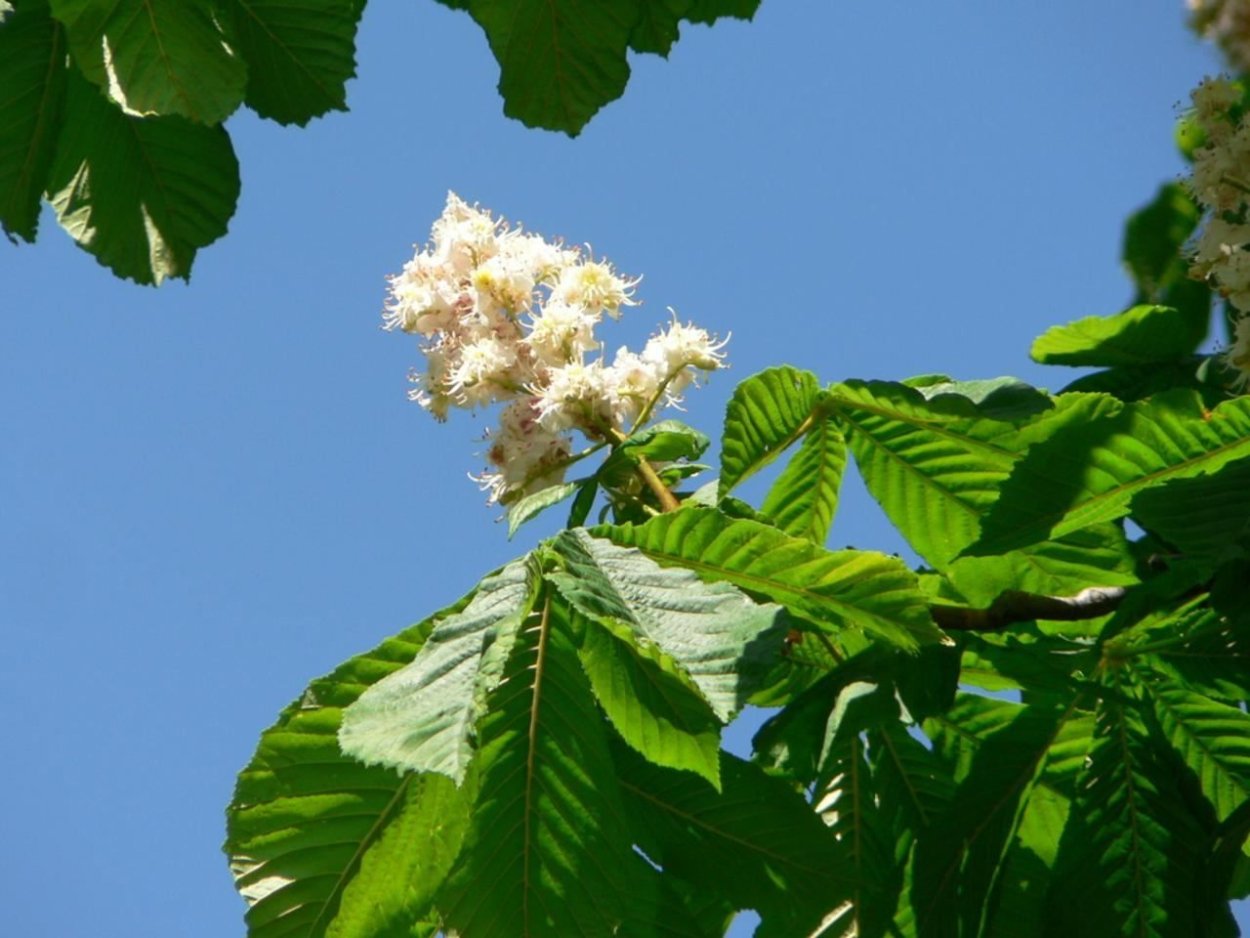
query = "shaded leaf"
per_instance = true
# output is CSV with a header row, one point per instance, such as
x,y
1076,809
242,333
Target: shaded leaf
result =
x,y
155,56
299,54
1212,738
1202,516
423,717
767,413
141,194
32,74
1142,335
834,589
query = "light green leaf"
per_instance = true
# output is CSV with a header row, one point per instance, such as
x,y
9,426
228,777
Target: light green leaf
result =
x,y
1212,738
1142,335
1089,472
652,703
548,851
32,74
710,630
804,498
834,589
155,56
757,843
141,194
767,413
536,502
423,717
299,54
321,845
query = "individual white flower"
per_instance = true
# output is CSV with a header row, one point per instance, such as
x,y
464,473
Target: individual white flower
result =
x,y
682,345
464,236
633,383
575,396
594,285
478,371
1237,355
561,333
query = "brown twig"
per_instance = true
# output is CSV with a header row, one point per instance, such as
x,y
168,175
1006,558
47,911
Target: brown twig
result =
x,y
1016,606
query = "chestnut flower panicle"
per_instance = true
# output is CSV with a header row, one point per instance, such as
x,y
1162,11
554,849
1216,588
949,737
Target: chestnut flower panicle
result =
x,y
506,317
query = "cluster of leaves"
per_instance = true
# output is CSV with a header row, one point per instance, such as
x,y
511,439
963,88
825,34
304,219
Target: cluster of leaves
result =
x,y
112,110
964,749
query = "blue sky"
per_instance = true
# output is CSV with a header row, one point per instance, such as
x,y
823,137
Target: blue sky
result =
x,y
211,493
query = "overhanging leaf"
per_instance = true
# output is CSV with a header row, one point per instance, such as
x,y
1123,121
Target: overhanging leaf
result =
x,y
299,54
141,194
835,589
32,74
321,845
712,631
155,56
767,413
423,718
1142,335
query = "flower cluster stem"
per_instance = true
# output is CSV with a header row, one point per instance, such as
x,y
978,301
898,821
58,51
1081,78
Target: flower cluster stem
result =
x,y
668,501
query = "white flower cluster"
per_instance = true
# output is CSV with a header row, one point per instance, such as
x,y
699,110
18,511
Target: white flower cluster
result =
x,y
1226,23
1221,183
507,317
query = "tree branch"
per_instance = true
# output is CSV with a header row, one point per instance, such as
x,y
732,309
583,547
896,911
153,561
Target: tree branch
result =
x,y
1016,606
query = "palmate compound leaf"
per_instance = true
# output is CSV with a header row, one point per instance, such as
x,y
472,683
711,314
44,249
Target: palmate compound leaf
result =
x,y
548,851
155,56
141,194
768,412
322,845
422,718
32,74
299,54
756,844
834,589
1088,472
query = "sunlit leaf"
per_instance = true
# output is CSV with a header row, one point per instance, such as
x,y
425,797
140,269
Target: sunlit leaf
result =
x,y
1142,335
767,413
804,498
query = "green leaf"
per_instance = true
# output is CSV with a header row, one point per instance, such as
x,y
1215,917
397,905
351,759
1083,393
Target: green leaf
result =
x,y
912,782
548,851
299,54
658,21
834,589
536,502
767,413
32,74
141,194
321,845
1002,398
1142,335
1203,516
1138,382
757,843
652,703
560,61
155,56
710,630
1212,738
1138,842
423,717
1089,471
804,498
1154,240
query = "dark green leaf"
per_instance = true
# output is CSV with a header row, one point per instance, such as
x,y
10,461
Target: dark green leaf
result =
x,y
997,398
155,56
1203,516
299,54
141,194
757,843
1137,382
767,413
1212,738
1154,240
321,845
32,74
423,717
834,589
1143,335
